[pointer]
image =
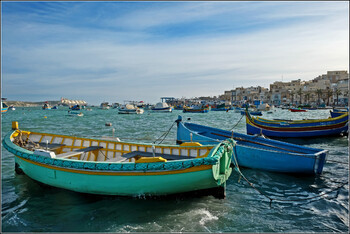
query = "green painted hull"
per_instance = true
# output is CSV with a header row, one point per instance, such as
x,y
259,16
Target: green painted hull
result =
x,y
126,178
124,185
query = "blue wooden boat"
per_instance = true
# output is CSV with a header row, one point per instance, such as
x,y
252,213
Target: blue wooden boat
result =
x,y
110,167
251,112
297,128
75,107
336,112
219,107
257,152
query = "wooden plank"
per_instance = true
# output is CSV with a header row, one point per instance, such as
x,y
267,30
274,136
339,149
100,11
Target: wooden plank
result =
x,y
150,154
78,151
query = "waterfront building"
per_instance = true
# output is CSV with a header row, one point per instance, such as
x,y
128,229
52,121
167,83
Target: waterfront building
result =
x,y
327,89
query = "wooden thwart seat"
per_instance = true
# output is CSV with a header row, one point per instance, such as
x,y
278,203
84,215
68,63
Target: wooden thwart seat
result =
x,y
78,151
150,154
50,146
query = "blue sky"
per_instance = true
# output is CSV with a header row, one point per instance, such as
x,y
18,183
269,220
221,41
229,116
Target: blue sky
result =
x,y
116,51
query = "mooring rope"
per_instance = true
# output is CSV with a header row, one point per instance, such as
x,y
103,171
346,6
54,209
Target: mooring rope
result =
x,y
165,134
237,123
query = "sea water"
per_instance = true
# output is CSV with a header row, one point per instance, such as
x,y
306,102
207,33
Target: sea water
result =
x,y
28,206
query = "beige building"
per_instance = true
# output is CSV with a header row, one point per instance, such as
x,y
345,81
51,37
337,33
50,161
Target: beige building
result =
x,y
324,89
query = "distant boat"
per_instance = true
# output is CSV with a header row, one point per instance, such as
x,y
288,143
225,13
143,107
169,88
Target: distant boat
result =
x,y
46,106
4,107
219,107
162,107
238,109
336,112
12,108
73,113
251,112
178,107
130,109
196,109
115,105
104,106
297,128
264,107
257,152
297,110
54,107
75,107
109,167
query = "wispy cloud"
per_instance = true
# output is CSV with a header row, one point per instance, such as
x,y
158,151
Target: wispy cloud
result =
x,y
119,51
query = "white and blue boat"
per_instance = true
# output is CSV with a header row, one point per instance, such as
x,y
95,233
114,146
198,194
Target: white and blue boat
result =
x,y
257,152
162,107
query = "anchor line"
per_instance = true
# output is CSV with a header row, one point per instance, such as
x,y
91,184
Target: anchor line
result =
x,y
237,123
165,134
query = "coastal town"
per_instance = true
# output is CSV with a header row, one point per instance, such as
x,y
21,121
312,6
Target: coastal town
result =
x,y
330,89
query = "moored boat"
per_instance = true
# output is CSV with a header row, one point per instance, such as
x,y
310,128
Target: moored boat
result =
x,y
46,106
251,112
219,107
257,152
196,109
130,109
108,167
75,107
4,107
337,112
297,128
297,110
162,107
104,106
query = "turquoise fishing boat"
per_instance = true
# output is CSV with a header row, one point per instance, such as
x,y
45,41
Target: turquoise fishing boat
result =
x,y
337,126
257,152
111,167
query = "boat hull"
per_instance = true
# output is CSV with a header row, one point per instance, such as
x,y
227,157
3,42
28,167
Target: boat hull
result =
x,y
104,170
297,110
122,183
299,128
166,109
258,153
335,114
195,110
